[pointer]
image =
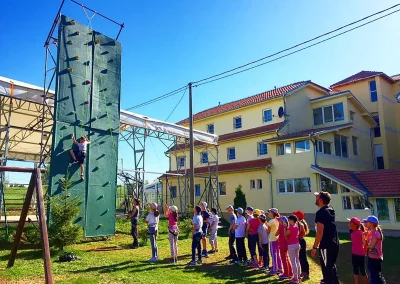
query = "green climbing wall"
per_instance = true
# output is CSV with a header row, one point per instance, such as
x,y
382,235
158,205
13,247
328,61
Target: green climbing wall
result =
x,y
87,103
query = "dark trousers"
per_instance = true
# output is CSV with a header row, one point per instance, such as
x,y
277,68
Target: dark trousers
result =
x,y
358,262
327,258
305,267
265,255
253,243
232,250
196,245
241,249
375,271
134,233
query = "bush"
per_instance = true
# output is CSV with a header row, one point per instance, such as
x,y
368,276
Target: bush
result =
x,y
240,199
143,234
185,227
62,232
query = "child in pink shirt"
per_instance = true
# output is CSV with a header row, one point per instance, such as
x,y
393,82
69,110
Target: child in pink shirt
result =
x,y
283,248
292,235
171,212
357,250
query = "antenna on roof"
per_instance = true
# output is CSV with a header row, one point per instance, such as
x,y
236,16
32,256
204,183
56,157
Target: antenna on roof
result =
x,y
219,103
275,87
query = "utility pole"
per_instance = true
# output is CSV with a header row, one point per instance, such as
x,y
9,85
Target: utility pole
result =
x,y
191,155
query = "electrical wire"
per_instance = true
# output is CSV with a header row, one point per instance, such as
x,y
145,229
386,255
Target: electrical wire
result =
x,y
297,45
177,104
156,99
217,76
296,51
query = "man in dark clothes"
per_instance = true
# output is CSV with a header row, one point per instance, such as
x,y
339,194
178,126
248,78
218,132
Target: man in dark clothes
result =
x,y
327,239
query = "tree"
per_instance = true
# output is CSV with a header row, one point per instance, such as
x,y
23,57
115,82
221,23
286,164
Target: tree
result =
x,y
240,199
64,208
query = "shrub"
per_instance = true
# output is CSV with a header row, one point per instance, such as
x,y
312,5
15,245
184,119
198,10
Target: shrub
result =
x,y
185,227
240,199
62,232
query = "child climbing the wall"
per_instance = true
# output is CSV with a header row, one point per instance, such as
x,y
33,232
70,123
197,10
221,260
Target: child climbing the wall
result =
x,y
79,155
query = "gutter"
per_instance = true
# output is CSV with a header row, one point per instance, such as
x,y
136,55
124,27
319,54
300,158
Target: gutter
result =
x,y
270,184
315,149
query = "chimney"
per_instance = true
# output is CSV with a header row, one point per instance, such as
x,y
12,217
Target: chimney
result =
x,y
219,103
275,88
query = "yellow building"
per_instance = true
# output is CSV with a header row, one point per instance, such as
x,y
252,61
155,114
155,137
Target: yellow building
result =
x,y
284,144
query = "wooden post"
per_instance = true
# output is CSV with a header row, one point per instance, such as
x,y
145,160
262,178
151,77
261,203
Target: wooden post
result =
x,y
22,219
43,228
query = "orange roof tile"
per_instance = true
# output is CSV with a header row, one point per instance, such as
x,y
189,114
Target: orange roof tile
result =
x,y
271,94
361,76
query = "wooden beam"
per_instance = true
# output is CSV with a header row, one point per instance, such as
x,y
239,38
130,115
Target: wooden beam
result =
x,y
22,219
43,229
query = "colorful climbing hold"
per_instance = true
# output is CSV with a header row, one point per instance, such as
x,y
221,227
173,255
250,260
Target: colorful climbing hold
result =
x,y
69,42
77,57
69,69
87,82
97,41
75,85
78,33
86,102
72,23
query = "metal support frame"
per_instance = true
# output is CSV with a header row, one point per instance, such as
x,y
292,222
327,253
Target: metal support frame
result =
x,y
176,147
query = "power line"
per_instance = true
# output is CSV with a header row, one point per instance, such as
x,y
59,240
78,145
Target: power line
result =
x,y
296,51
297,45
177,104
217,76
158,98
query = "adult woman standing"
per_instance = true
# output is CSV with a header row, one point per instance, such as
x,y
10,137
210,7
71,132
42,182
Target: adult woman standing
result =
x,y
134,215
171,213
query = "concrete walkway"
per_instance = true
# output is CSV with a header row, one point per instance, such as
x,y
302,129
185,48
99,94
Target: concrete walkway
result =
x,y
15,219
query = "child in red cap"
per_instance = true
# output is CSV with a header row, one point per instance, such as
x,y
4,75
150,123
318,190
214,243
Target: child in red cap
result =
x,y
357,250
303,231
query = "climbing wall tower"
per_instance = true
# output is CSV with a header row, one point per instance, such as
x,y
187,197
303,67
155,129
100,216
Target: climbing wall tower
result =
x,y
87,103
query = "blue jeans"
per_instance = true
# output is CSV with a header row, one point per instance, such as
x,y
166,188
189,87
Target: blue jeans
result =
x,y
196,245
375,271
252,242
265,254
154,248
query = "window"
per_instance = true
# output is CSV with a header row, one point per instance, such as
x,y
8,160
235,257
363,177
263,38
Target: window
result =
x,y
283,149
210,128
380,164
324,147
172,190
346,202
382,209
341,148
377,129
237,122
372,91
181,162
352,115
302,146
259,184
355,145
222,188
353,202
197,189
345,190
262,149
294,185
231,153
328,114
396,202
204,158
267,115
252,184
328,185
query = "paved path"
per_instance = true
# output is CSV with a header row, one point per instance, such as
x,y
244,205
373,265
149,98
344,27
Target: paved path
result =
x,y
15,219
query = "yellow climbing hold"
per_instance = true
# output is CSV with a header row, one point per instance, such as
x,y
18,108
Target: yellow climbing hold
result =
x,y
69,69
72,22
77,57
78,33
75,85
69,42
97,41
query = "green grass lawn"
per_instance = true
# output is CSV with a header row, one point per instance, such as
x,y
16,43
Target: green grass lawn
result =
x,y
111,261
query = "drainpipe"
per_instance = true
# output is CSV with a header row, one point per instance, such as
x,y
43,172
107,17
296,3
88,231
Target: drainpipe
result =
x,y
270,184
315,149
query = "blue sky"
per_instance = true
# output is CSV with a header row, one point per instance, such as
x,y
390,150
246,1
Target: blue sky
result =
x,y
167,44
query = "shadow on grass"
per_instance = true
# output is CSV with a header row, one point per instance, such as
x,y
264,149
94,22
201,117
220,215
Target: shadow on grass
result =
x,y
26,255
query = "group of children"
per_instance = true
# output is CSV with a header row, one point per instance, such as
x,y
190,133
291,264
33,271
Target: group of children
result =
x,y
366,242
280,242
281,237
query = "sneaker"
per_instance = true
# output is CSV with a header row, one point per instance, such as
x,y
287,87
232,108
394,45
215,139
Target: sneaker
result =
x,y
294,281
238,262
171,260
322,281
211,251
206,255
216,250
272,273
254,265
283,276
199,261
306,277
153,259
203,252
192,262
